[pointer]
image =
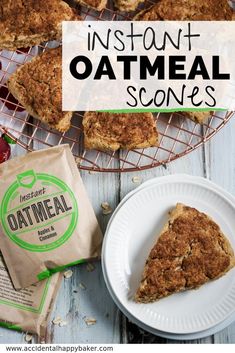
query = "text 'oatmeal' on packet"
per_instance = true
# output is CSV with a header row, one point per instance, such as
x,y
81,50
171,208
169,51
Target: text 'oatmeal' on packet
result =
x,y
46,217
28,309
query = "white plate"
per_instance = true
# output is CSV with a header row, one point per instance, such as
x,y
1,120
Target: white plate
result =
x,y
129,238
190,336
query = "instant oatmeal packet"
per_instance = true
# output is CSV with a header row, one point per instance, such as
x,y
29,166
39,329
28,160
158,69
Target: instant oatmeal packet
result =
x,y
28,309
46,217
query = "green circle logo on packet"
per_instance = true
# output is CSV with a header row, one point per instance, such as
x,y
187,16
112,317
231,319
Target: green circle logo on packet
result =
x,y
39,212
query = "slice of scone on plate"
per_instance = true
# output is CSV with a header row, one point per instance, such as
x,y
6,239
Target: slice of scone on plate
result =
x,y
106,131
27,23
37,85
190,251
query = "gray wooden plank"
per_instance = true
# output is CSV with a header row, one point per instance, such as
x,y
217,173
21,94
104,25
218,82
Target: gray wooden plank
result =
x,y
220,157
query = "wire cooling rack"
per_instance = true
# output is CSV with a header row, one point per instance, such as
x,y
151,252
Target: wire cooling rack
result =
x,y
177,135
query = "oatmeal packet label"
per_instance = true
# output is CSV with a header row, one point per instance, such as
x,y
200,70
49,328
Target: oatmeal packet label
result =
x,y
46,217
29,308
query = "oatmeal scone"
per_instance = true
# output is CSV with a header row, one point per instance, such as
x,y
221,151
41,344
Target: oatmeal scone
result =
x,y
94,4
127,5
190,251
37,85
106,131
187,10
24,23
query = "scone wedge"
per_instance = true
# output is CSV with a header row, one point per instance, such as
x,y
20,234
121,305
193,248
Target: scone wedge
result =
x,y
106,131
187,10
27,23
37,85
190,251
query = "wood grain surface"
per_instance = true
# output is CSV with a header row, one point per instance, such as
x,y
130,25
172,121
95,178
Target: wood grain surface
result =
x,y
215,161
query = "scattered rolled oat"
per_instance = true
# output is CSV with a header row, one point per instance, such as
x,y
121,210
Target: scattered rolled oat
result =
x,y
68,274
28,337
81,285
90,267
105,205
90,321
107,209
63,323
78,160
57,320
136,180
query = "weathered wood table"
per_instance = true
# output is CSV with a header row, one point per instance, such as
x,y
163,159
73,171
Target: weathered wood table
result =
x,y
215,161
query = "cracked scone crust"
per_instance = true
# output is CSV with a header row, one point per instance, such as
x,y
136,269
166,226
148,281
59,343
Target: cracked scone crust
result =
x,y
105,131
183,10
24,23
190,251
37,85
94,4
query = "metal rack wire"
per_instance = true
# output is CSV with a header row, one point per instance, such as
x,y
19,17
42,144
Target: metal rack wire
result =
x,y
178,135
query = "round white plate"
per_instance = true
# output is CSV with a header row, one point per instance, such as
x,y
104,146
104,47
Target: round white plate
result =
x,y
129,238
190,336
